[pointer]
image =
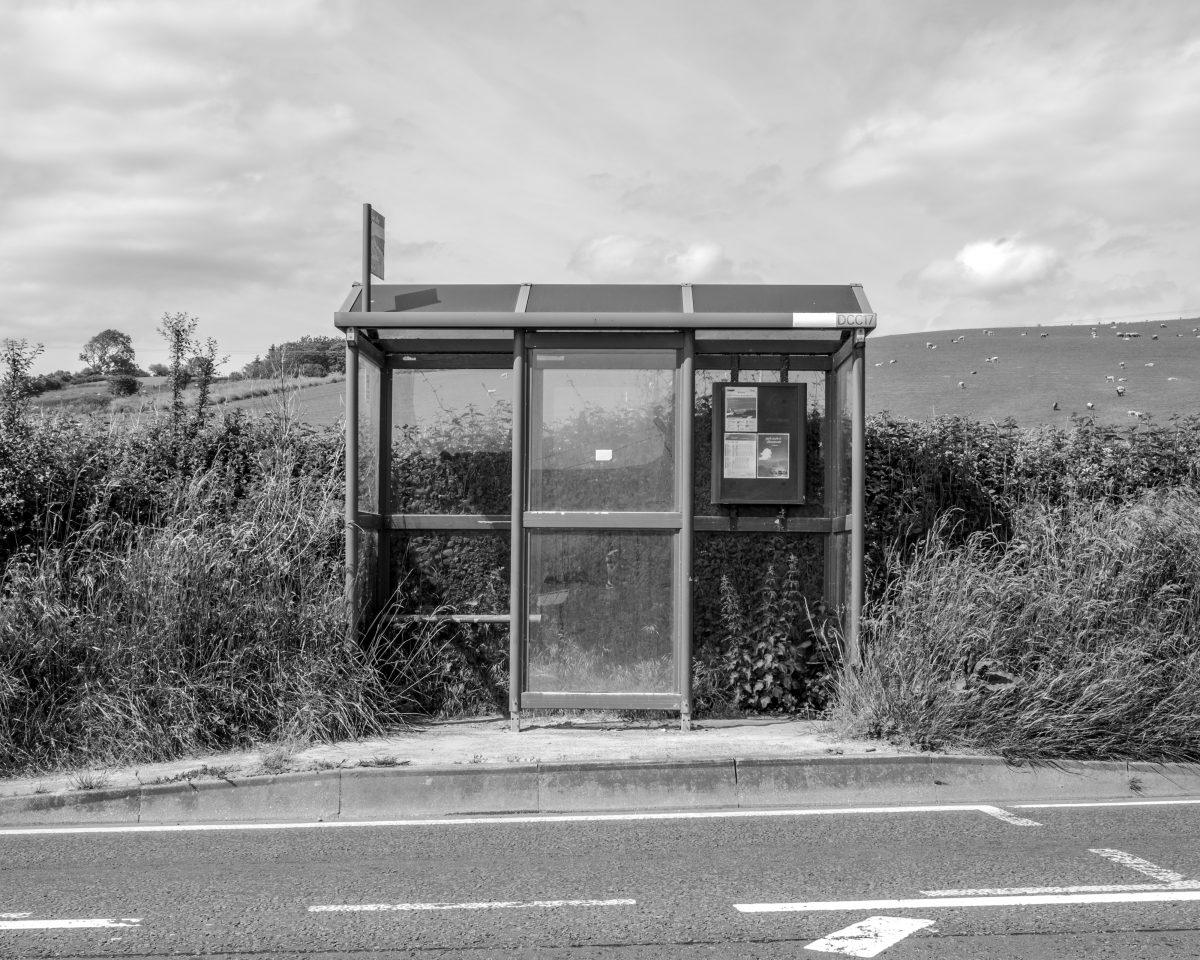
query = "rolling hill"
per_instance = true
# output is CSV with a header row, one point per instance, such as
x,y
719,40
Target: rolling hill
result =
x,y
918,375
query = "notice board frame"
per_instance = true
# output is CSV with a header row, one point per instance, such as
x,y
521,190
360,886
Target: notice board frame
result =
x,y
779,409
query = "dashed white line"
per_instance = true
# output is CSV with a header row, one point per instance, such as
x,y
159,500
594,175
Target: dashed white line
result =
x,y
1160,874
869,937
1161,894
1011,818
1078,888
15,916
474,905
72,924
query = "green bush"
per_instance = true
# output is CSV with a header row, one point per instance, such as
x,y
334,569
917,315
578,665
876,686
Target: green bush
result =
x,y
123,385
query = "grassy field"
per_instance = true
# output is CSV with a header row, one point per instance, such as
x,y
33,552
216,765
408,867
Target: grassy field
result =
x,y
1036,368
1067,366
317,400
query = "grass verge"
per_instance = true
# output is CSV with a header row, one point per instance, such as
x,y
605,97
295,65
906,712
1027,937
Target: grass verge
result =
x,y
1079,638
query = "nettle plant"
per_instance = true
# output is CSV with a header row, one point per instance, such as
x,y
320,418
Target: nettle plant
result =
x,y
776,654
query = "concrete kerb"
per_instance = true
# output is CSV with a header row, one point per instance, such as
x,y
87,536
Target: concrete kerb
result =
x,y
465,790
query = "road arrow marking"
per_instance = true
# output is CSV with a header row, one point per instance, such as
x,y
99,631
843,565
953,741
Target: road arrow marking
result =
x,y
925,903
478,905
1142,866
68,924
869,937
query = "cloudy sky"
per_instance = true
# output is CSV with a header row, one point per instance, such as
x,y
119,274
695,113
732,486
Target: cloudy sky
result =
x,y
970,163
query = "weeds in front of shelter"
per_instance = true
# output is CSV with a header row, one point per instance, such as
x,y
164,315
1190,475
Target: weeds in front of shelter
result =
x,y
1078,637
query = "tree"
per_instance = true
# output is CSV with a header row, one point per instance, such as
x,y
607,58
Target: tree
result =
x,y
109,349
16,360
159,370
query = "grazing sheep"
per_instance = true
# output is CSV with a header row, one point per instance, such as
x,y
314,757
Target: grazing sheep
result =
x,y
973,372
1122,364
1155,337
1120,391
1170,379
1136,413
1043,335
1091,406
880,364
891,361
962,385
1110,379
1162,326
1149,364
1055,407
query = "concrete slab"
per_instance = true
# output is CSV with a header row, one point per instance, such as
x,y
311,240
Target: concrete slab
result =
x,y
645,786
84,806
443,791
302,796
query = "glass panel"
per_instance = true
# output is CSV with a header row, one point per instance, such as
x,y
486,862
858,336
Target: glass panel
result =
x,y
368,435
743,561
368,560
844,442
603,430
702,443
465,572
451,441
600,612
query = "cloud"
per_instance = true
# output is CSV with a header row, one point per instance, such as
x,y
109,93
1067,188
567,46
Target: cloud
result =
x,y
696,195
992,268
622,258
1093,111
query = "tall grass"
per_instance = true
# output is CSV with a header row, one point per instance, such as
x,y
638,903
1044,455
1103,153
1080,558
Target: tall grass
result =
x,y
218,626
1079,637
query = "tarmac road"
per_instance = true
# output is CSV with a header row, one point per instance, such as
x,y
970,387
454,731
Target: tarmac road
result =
x,y
738,884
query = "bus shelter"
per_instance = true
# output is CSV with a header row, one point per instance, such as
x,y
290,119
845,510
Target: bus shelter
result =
x,y
607,450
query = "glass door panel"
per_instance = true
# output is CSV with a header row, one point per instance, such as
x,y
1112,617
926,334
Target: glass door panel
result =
x,y
601,612
603,430
602,522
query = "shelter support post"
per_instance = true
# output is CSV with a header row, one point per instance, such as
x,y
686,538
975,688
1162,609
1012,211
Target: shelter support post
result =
x,y
352,604
685,495
516,604
858,402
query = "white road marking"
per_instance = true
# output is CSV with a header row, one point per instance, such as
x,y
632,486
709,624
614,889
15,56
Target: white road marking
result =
x,y
68,924
1160,874
480,905
1001,814
1105,803
14,916
1159,895
1081,888
869,937
500,819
